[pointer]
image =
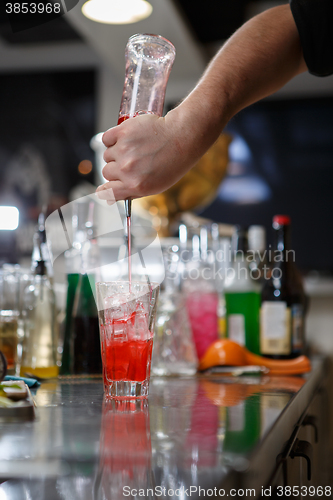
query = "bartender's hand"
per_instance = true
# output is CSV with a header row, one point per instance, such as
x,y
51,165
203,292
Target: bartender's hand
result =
x,y
145,155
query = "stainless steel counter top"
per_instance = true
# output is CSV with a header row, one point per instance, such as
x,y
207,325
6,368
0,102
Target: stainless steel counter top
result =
x,y
209,432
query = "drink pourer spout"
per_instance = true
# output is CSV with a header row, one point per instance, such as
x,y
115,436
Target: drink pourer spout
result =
x,y
128,207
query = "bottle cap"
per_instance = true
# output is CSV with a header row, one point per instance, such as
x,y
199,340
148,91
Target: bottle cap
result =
x,y
282,220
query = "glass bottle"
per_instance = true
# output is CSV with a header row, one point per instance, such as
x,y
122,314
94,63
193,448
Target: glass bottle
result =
x,y
173,351
202,298
85,345
66,362
242,297
149,59
283,301
221,252
39,346
73,263
257,252
81,350
81,347
41,251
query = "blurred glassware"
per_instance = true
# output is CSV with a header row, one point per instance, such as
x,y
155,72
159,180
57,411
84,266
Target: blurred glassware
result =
x,y
66,359
40,341
173,351
41,250
199,287
10,316
81,347
222,258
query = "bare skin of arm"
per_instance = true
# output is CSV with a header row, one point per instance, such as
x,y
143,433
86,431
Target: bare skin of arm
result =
x,y
148,154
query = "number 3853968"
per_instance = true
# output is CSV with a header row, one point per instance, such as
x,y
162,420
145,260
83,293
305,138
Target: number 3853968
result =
x,y
33,8
288,491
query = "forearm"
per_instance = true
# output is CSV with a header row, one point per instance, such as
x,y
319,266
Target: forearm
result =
x,y
148,154
263,55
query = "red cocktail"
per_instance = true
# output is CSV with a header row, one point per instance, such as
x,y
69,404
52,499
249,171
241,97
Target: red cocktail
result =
x,y
126,359
126,319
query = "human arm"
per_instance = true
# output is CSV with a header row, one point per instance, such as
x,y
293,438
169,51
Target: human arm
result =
x,y
148,154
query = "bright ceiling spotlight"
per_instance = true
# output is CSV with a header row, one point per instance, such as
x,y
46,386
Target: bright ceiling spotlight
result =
x,y
9,218
117,11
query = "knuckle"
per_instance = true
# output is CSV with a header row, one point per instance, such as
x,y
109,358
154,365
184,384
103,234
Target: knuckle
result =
x,y
129,166
108,155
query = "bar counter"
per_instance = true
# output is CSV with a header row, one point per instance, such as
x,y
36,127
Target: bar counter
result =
x,y
209,435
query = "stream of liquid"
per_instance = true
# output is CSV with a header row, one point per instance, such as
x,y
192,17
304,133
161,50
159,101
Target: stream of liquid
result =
x,y
129,251
121,119
128,222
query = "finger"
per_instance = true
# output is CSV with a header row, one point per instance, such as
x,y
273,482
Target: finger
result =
x,y
108,155
114,191
110,172
109,137
105,192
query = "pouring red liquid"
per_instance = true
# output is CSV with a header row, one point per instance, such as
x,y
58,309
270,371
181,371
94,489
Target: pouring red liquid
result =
x,y
121,119
149,59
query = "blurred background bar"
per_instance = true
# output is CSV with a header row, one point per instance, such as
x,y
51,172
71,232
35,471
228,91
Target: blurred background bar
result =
x,y
61,84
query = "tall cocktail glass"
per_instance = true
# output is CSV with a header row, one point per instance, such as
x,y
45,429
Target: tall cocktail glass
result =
x,y
126,321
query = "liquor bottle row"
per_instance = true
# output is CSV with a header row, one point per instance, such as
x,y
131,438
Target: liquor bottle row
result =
x,y
253,295
265,310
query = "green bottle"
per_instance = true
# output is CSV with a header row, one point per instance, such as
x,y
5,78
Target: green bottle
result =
x,y
242,297
81,346
85,346
66,360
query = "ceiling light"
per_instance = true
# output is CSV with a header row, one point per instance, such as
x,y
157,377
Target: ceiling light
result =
x,y
117,11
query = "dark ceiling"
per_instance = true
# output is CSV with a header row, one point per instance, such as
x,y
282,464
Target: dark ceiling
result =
x,y
57,30
213,20
209,22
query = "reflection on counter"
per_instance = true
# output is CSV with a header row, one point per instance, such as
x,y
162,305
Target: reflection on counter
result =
x,y
216,425
125,450
191,432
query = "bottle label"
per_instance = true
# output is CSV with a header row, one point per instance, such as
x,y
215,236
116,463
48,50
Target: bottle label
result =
x,y
275,328
236,328
297,326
